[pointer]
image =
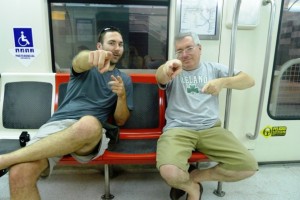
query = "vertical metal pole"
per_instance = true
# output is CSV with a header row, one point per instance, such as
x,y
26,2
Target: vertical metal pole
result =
x,y
107,195
265,72
235,18
231,59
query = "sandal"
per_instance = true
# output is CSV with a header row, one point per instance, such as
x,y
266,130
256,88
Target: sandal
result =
x,y
3,172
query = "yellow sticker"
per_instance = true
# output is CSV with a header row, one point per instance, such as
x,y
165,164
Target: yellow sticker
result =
x,y
270,131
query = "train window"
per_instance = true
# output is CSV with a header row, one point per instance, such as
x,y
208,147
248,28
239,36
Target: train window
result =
x,y
74,26
284,101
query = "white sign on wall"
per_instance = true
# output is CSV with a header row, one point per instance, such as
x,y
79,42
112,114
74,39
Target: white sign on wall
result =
x,y
201,17
24,49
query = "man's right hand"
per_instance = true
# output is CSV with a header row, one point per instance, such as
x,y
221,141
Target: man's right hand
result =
x,y
101,59
172,68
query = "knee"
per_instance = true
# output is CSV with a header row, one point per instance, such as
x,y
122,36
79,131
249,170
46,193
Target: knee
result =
x,y
249,173
171,174
90,126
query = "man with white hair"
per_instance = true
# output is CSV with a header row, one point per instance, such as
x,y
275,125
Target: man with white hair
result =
x,y
193,123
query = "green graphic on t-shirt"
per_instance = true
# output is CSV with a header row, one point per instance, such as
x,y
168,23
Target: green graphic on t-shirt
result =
x,y
192,89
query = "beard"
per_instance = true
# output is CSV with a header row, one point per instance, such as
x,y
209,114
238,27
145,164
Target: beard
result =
x,y
114,61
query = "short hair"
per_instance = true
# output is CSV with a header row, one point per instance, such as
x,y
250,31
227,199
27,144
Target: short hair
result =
x,y
194,36
105,30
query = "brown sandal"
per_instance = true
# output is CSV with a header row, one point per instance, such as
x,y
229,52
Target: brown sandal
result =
x,y
175,194
3,172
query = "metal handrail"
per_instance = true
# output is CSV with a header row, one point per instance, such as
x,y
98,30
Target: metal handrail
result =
x,y
235,18
265,71
231,59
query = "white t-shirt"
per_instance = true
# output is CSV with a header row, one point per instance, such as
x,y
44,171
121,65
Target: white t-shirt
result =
x,y
187,106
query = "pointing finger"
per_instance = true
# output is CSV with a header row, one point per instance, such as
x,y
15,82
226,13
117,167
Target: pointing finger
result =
x,y
120,79
113,78
106,56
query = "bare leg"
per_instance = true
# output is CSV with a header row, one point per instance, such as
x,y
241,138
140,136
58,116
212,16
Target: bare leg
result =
x,y
81,138
180,179
177,178
23,178
219,174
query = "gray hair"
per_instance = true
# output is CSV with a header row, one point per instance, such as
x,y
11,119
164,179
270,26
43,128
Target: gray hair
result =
x,y
194,36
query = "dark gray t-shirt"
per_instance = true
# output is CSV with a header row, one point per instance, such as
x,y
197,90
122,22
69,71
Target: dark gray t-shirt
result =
x,y
88,93
187,106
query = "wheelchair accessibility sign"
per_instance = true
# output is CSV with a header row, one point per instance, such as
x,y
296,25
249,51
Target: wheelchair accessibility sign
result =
x,y
24,49
23,37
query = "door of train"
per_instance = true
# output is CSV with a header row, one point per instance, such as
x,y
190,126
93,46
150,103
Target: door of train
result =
x,y
276,133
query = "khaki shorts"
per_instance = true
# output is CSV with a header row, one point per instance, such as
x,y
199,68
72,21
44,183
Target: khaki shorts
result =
x,y
175,147
53,127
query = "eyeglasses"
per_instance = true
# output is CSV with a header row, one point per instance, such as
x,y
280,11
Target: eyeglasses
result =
x,y
108,29
187,50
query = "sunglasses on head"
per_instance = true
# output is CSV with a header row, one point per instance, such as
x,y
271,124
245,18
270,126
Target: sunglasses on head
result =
x,y
111,28
108,29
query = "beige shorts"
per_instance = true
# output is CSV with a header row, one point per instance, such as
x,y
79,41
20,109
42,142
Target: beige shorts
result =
x,y
53,127
176,145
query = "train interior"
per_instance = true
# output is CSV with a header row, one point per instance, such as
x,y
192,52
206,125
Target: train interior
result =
x,y
261,37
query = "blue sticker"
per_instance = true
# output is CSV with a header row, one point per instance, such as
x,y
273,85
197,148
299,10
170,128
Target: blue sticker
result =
x,y
23,37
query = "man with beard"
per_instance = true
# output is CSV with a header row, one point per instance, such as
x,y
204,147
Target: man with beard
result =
x,y
96,90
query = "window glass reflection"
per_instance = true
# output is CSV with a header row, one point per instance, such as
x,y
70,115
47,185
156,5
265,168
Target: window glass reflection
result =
x,y
285,94
75,27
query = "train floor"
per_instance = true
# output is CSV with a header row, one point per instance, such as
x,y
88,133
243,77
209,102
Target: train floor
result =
x,y
271,182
